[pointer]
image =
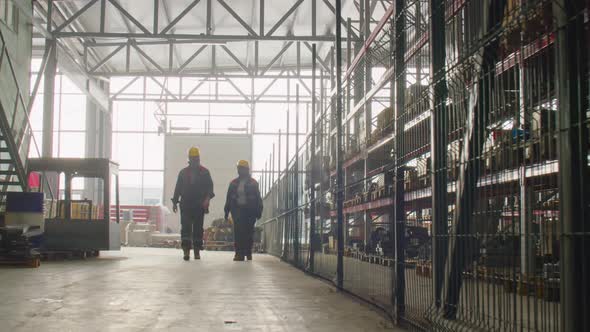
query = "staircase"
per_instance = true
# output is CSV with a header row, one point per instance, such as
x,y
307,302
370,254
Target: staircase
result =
x,y
12,173
15,129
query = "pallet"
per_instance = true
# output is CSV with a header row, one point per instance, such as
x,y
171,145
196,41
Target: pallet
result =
x,y
57,255
32,262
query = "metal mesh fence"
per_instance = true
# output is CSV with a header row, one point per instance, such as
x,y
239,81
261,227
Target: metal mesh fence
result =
x,y
465,160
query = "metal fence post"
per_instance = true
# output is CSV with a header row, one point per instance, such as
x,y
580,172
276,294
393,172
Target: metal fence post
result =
x,y
574,187
438,144
339,152
398,215
312,158
296,219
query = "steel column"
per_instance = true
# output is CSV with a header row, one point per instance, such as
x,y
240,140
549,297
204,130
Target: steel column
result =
x,y
312,158
574,185
296,229
438,144
286,189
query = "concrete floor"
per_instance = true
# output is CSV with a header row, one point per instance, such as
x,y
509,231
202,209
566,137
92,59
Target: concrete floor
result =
x,y
141,289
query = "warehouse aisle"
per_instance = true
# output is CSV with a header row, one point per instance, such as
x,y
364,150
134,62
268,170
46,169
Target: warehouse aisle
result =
x,y
153,289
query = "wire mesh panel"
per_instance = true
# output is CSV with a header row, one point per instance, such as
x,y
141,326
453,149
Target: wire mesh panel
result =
x,y
465,162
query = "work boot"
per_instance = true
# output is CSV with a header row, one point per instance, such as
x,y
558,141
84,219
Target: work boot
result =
x,y
187,254
197,254
249,257
238,258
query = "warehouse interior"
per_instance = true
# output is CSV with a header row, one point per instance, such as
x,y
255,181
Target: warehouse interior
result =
x,y
423,164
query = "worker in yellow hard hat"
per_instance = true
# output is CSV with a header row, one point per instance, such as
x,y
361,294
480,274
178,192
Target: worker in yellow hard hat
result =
x,y
245,204
194,189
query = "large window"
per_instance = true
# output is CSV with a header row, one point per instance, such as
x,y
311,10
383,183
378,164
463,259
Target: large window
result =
x,y
69,118
147,107
139,150
69,121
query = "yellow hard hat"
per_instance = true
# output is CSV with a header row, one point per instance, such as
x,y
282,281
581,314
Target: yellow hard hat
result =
x,y
243,163
194,152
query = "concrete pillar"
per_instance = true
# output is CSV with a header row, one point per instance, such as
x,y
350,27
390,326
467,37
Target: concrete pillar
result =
x,y
48,99
48,111
98,141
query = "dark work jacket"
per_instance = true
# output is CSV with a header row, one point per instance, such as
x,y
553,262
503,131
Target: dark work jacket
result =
x,y
253,205
193,186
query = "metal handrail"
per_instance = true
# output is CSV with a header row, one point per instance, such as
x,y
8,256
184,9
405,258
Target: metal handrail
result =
x,y
26,128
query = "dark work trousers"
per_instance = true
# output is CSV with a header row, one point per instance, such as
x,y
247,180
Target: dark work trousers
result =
x,y
191,231
243,231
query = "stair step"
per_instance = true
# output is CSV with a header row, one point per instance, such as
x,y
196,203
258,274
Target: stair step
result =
x,y
9,183
6,161
4,150
7,173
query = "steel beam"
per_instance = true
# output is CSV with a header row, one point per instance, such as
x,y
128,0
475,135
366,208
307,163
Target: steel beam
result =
x,y
261,18
156,15
237,18
246,98
148,58
284,17
277,57
103,8
182,14
267,88
191,58
75,16
317,58
338,19
130,17
165,89
106,58
201,74
194,37
202,100
235,58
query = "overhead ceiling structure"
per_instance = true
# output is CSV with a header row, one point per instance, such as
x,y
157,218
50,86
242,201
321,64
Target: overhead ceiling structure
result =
x,y
204,38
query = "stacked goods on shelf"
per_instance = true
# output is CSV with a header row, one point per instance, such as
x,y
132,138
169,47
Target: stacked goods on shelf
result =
x,y
376,190
543,145
220,235
384,125
504,150
453,159
423,171
50,209
524,21
410,178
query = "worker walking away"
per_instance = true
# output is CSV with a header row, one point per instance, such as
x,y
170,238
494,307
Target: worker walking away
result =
x,y
245,204
194,189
